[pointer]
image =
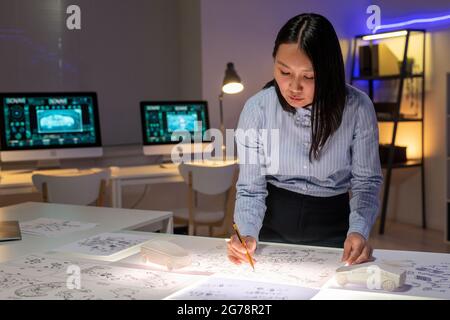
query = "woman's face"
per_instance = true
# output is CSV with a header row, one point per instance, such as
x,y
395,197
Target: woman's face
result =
x,y
294,73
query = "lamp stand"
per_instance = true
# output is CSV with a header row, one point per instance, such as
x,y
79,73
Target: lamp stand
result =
x,y
222,127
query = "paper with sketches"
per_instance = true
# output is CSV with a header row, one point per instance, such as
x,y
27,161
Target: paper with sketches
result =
x,y
307,267
106,245
53,227
226,288
46,277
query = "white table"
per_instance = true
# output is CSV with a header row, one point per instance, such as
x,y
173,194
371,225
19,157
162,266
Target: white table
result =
x,y
328,291
140,175
16,182
192,243
108,220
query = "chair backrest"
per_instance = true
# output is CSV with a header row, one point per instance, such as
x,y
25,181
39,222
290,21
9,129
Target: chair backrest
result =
x,y
209,178
79,189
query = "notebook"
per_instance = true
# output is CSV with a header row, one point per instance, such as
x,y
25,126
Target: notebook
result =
x,y
10,230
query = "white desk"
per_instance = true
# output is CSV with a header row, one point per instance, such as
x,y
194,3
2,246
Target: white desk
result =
x,y
13,183
19,181
151,174
108,220
197,244
329,291
16,182
140,175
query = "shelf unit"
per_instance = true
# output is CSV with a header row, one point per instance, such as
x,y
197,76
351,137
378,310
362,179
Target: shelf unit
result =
x,y
407,73
447,229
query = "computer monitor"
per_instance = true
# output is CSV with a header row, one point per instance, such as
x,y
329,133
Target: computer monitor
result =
x,y
165,124
49,126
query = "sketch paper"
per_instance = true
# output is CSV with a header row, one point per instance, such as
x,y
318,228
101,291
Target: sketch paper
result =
x,y
106,245
38,265
53,227
29,270
225,288
45,277
307,267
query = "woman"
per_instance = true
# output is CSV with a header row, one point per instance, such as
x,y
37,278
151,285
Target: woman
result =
x,y
328,146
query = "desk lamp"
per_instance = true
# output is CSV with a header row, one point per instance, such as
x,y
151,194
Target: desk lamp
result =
x,y
231,85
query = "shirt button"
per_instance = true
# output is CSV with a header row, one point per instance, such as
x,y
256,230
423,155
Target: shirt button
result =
x,y
305,167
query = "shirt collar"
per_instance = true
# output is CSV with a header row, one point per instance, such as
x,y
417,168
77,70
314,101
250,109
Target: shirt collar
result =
x,y
304,110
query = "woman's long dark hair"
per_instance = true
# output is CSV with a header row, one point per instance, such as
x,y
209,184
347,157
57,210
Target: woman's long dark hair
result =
x,y
316,37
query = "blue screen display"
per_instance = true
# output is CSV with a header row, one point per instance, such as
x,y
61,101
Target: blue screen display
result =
x,y
166,122
182,122
59,121
33,121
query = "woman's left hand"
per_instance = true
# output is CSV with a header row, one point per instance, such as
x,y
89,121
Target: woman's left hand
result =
x,y
356,249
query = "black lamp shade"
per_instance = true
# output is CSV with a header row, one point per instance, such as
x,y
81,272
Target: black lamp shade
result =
x,y
231,82
231,75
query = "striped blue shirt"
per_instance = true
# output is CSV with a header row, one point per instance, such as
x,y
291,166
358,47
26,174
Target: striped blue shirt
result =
x,y
349,160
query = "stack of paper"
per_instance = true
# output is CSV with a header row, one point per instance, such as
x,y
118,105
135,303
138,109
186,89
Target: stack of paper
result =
x,y
53,227
107,246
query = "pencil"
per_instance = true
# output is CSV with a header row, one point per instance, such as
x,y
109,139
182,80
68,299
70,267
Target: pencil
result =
x,y
245,245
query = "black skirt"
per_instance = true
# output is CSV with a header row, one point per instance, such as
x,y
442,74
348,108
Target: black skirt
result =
x,y
301,219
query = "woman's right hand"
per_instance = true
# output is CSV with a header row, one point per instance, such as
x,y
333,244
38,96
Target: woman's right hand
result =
x,y
236,251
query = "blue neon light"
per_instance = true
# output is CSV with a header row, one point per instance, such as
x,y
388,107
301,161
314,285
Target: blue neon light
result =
x,y
410,22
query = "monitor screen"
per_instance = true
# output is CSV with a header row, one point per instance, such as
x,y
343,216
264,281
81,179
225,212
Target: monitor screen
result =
x,y
49,120
168,122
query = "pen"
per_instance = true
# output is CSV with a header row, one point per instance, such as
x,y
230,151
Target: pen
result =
x,y
244,244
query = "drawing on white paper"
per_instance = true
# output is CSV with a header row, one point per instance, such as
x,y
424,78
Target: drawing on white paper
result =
x,y
28,278
222,288
53,227
37,265
433,279
39,290
29,271
308,267
12,279
76,294
105,244
124,293
134,277
57,290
